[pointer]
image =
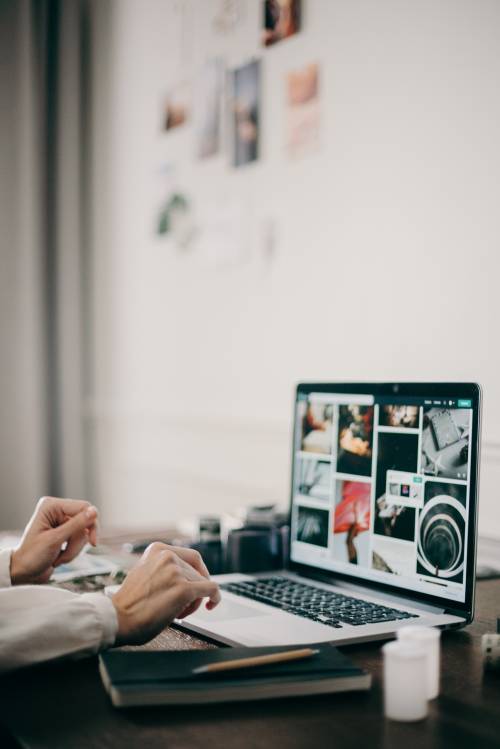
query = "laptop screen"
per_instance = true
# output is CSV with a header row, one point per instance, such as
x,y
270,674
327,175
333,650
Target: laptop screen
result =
x,y
381,488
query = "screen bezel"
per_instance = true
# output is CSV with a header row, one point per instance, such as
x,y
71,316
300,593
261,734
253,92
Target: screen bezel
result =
x,y
469,390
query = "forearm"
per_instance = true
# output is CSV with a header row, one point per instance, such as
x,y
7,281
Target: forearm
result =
x,y
41,623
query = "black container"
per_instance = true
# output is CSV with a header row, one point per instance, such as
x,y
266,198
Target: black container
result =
x,y
212,554
254,549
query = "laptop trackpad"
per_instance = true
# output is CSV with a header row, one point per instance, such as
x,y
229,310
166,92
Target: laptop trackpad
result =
x,y
227,610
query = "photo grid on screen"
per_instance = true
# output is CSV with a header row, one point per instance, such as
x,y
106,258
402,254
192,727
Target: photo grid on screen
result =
x,y
381,490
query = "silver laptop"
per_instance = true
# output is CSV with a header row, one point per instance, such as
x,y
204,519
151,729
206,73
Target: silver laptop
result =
x,y
383,514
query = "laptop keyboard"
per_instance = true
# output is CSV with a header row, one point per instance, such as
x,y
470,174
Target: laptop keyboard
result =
x,y
320,605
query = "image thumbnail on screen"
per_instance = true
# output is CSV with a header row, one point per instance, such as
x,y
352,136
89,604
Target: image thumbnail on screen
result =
x,y
402,417
314,477
445,442
351,523
312,526
441,531
317,428
355,440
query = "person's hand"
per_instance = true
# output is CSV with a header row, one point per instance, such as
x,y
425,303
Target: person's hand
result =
x,y
168,583
56,533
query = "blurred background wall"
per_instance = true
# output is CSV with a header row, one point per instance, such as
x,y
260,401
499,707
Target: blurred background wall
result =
x,y
374,258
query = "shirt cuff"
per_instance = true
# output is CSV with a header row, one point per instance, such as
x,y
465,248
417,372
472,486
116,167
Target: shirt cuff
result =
x,y
5,555
107,616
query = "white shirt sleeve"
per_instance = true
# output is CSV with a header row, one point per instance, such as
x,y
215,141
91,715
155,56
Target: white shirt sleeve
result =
x,y
40,622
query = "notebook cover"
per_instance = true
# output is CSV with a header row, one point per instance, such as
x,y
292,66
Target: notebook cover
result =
x,y
175,668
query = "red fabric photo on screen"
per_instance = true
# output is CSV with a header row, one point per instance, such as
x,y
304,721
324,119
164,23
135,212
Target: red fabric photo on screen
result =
x,y
353,510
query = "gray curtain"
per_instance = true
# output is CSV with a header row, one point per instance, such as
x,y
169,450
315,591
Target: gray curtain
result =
x,y
45,141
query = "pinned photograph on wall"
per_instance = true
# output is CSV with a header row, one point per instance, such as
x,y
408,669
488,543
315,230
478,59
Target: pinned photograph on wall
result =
x,y
207,108
352,522
228,15
177,106
281,19
226,223
174,214
303,111
245,95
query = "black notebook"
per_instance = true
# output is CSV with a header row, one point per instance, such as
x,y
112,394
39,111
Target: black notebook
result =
x,y
165,678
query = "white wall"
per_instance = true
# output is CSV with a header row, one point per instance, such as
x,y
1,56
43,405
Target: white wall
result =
x,y
387,245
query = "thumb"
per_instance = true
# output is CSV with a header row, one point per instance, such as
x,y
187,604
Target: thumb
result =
x,y
76,524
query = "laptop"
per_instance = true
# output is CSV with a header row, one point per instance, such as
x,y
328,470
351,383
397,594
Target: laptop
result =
x,y
383,520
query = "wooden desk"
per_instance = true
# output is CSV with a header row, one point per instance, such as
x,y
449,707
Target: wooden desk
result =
x,y
65,707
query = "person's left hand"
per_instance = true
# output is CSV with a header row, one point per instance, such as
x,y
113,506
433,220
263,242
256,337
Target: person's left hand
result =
x,y
56,533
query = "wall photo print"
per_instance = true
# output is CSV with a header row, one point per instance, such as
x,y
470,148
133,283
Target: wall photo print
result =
x,y
282,19
245,113
207,109
303,111
177,106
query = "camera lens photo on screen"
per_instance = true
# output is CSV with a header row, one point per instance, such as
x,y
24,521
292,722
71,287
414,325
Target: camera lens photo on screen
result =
x,y
441,531
381,488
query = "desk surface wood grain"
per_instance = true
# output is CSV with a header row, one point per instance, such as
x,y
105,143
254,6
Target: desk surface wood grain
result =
x,y
64,706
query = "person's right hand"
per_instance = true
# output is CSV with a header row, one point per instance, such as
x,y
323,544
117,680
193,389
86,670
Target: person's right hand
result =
x,y
56,534
167,583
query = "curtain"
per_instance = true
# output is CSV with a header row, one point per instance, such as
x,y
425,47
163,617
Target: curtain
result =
x,y
45,351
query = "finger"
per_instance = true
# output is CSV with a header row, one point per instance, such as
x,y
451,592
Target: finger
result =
x,y
188,571
70,507
190,609
92,534
44,577
203,589
75,525
55,510
74,547
155,548
192,557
